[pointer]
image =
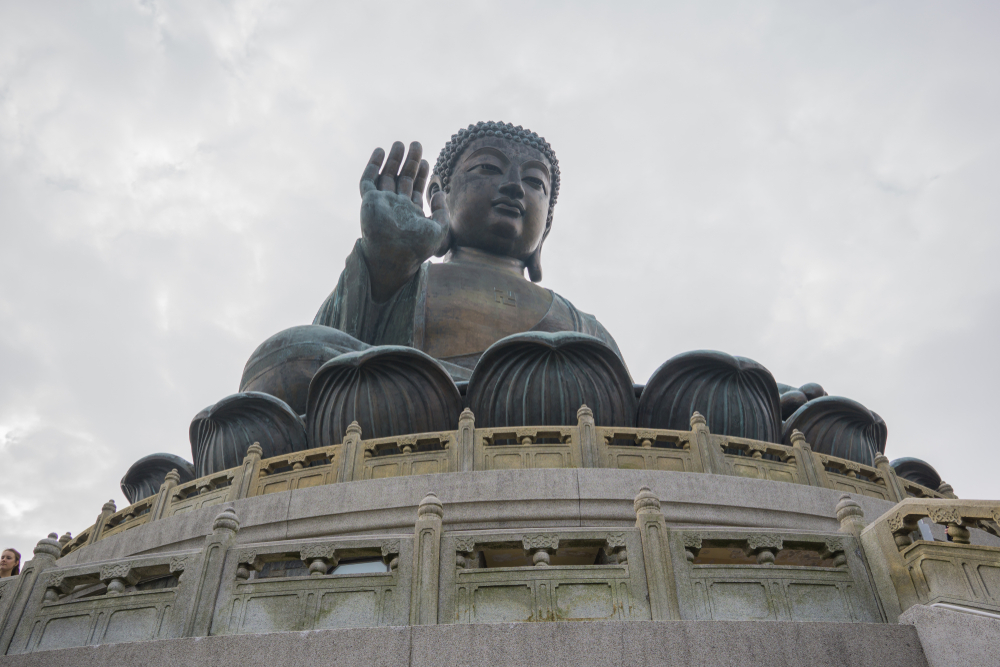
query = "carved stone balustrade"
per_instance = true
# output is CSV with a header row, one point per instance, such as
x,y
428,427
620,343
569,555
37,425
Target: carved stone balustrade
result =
x,y
962,569
468,448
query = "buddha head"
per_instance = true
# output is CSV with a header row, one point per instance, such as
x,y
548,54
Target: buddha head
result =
x,y
500,183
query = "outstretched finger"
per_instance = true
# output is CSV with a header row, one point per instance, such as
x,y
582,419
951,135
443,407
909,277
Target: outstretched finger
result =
x,y
387,181
420,183
404,184
371,171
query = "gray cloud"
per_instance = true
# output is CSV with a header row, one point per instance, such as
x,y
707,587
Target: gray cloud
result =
x,y
809,186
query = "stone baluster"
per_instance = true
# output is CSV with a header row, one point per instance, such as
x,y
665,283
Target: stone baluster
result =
x,y
946,490
764,546
66,538
349,451
541,548
117,577
589,451
165,495
892,484
320,559
660,581
952,520
106,511
713,461
25,597
208,575
244,483
466,441
804,459
426,561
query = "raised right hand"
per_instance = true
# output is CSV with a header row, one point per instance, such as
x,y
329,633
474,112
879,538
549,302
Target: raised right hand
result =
x,y
396,235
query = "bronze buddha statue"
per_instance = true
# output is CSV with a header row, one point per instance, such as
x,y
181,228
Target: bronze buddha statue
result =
x,y
403,344
492,194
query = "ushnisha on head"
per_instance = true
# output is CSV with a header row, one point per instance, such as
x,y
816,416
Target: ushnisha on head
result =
x,y
10,563
501,183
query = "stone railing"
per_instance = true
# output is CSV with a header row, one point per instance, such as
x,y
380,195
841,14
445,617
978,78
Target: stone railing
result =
x,y
645,571
913,570
469,448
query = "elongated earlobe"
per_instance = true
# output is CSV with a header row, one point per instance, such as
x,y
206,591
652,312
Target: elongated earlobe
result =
x,y
534,265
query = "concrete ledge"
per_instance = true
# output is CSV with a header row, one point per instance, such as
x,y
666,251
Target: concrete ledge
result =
x,y
597,644
955,638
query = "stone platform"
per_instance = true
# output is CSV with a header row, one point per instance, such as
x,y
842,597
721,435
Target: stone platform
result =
x,y
598,644
512,565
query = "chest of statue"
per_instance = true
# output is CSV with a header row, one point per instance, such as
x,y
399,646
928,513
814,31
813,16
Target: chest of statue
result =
x,y
467,309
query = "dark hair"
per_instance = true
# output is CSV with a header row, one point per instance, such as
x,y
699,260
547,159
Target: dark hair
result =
x,y
452,150
17,558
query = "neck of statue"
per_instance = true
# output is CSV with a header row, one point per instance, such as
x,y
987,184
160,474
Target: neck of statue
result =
x,y
474,257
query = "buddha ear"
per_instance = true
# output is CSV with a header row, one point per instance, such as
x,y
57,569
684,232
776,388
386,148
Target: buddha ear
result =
x,y
534,262
434,185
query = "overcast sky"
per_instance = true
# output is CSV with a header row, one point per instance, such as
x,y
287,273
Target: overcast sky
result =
x,y
811,185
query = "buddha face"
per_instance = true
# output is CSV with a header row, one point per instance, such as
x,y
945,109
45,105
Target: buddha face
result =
x,y
499,198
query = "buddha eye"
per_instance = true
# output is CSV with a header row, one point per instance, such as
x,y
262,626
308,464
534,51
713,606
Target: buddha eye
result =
x,y
489,168
536,183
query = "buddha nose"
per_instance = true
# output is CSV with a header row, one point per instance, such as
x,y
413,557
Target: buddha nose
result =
x,y
512,187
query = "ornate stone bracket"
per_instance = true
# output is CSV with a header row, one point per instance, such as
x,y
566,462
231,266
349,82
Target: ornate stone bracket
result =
x,y
464,548
616,546
55,587
390,553
541,548
764,546
835,549
118,576
248,561
319,557
692,545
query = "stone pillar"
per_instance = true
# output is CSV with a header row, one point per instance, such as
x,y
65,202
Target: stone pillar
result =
x,y
106,511
466,441
663,604
244,482
165,495
426,561
895,489
26,595
208,575
589,453
66,538
850,515
804,458
713,461
349,451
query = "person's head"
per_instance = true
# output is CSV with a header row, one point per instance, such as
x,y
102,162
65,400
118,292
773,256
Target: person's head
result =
x,y
501,183
10,563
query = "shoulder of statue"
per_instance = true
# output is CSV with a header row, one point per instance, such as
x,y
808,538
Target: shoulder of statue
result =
x,y
584,322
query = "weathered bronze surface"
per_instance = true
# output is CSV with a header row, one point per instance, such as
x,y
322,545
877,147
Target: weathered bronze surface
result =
x,y
389,390
737,396
221,434
404,343
491,200
145,476
840,427
917,470
283,365
543,378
